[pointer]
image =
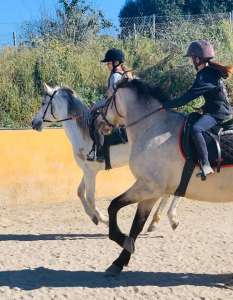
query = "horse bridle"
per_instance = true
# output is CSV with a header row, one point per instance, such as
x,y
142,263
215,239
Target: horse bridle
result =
x,y
50,104
112,101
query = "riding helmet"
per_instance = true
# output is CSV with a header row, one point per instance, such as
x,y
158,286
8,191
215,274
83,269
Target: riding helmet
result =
x,y
114,55
201,49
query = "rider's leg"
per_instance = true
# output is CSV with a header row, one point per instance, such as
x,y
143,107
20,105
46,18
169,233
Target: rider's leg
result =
x,y
92,154
99,140
202,125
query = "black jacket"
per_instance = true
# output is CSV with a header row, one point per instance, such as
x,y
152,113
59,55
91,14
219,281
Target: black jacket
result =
x,y
209,84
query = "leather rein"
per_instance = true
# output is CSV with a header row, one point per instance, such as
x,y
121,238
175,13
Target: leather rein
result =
x,y
111,101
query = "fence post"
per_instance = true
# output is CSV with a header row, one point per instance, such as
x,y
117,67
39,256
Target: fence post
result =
x,y
135,31
14,39
154,26
230,17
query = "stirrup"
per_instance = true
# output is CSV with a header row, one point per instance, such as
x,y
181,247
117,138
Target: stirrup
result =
x,y
205,171
91,156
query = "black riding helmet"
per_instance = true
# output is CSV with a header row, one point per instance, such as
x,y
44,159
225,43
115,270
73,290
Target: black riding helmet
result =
x,y
113,55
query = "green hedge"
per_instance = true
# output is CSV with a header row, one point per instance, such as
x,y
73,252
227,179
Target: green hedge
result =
x,y
22,70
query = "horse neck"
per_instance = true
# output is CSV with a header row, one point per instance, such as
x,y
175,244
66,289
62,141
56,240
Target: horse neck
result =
x,y
79,137
161,121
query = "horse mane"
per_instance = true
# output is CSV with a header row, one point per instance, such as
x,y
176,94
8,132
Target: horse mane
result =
x,y
144,90
76,107
68,90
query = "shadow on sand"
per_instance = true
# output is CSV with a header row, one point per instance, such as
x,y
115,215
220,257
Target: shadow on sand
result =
x,y
30,279
50,237
57,236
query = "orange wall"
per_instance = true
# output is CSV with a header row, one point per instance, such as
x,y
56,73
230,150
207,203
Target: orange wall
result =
x,y
40,167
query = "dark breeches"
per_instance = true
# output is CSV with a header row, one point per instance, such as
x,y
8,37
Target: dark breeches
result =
x,y
203,124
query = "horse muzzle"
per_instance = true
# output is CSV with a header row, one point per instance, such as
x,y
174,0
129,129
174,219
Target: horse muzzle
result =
x,y
37,124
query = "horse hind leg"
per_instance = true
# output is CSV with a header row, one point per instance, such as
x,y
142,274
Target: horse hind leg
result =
x,y
158,213
172,215
180,192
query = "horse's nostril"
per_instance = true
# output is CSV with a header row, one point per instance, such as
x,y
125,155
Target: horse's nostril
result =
x,y
36,124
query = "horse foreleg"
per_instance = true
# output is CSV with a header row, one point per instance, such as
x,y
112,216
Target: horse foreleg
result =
x,y
172,215
90,183
142,213
81,195
158,213
138,192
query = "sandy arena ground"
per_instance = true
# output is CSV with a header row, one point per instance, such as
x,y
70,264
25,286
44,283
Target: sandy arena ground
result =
x,y
53,251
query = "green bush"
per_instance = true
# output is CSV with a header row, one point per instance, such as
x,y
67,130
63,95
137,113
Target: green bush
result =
x,y
159,61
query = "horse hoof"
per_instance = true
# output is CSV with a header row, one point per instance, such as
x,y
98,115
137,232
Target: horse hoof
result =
x,y
113,271
129,244
175,225
95,220
151,228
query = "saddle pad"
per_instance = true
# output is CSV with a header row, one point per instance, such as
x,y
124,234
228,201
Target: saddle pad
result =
x,y
118,136
188,150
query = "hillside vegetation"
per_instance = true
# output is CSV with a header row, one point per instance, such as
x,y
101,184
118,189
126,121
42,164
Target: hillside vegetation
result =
x,y
159,61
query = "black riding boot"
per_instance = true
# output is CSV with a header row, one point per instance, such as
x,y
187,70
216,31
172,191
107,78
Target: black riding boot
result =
x,y
91,156
100,154
97,152
202,151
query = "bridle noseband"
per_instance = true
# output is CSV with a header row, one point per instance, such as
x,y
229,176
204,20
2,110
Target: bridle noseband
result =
x,y
50,104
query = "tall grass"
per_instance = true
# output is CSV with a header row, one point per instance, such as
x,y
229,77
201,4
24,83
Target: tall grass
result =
x,y
23,70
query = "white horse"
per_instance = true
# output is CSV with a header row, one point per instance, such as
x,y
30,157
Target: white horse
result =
x,y
59,104
155,162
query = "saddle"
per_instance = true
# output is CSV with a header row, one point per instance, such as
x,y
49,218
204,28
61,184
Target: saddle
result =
x,y
219,141
118,136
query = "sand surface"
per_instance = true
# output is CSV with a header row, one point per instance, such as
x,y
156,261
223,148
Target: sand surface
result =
x,y
53,251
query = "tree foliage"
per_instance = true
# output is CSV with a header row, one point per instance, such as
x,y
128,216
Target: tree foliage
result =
x,y
134,8
75,21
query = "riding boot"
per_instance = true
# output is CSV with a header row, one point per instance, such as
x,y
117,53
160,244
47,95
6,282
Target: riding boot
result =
x,y
100,154
206,169
97,151
99,140
91,156
202,151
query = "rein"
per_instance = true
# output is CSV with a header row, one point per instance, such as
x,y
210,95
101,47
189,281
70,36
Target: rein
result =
x,y
112,101
50,104
143,118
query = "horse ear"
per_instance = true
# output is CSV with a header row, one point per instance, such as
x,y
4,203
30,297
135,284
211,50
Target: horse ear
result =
x,y
47,89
